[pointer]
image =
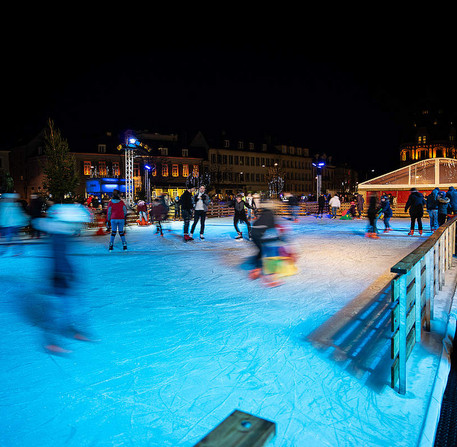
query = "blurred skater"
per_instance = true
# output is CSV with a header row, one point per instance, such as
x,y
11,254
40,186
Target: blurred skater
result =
x,y
250,200
35,211
187,206
293,203
360,201
116,215
374,209
415,205
158,214
63,316
12,219
240,206
142,212
265,222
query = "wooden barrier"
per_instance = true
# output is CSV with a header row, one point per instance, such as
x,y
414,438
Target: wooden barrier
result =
x,y
420,275
240,429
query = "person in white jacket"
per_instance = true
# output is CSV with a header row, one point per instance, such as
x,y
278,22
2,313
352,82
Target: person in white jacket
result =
x,y
334,204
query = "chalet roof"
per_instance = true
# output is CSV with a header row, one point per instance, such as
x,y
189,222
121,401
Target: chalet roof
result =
x,y
433,172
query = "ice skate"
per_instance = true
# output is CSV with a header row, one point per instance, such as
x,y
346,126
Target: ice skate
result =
x,y
124,246
110,248
411,233
202,237
55,349
255,273
271,281
240,236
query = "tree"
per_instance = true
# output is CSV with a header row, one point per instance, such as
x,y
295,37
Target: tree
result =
x,y
61,179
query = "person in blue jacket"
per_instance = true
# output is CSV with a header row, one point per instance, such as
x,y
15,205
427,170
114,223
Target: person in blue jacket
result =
x,y
432,208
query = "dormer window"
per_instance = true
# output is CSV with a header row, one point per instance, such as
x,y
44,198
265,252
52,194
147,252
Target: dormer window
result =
x,y
102,148
240,145
226,143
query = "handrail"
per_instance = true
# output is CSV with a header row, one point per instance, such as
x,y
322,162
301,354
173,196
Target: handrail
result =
x,y
420,275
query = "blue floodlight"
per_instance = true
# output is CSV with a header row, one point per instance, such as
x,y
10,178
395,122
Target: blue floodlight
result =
x,y
147,167
133,141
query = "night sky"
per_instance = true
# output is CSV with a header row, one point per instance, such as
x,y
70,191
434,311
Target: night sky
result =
x,y
344,90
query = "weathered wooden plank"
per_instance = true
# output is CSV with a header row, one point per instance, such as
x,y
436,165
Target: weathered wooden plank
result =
x,y
240,429
395,369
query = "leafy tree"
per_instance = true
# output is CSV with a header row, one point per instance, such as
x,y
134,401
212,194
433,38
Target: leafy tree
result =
x,y
61,179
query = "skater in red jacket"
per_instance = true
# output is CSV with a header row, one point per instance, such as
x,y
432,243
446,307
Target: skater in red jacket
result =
x,y
117,212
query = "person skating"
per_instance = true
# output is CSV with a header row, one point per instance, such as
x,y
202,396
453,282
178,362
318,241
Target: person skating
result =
x,y
201,201
116,214
250,200
443,207
187,206
321,205
415,205
432,208
374,209
334,204
142,209
386,211
263,229
158,214
240,206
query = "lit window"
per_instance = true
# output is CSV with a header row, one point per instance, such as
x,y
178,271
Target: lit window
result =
x,y
195,170
163,150
102,148
251,146
115,168
164,170
240,145
185,152
102,167
174,170
185,170
87,165
136,169
226,143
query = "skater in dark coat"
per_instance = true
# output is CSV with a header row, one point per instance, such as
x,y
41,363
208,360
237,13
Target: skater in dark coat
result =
x,y
452,195
443,207
158,214
321,205
187,206
373,212
415,205
386,210
240,214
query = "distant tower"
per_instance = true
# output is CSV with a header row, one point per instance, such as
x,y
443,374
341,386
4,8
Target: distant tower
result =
x,y
430,134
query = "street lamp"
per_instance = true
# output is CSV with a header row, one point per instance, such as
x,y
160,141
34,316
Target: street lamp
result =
x,y
319,165
147,184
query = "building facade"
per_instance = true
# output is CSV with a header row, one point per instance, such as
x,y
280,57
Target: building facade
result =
x,y
430,134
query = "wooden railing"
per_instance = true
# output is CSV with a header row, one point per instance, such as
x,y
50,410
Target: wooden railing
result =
x,y
420,275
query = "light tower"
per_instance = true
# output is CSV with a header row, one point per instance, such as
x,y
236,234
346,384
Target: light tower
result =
x,y
130,147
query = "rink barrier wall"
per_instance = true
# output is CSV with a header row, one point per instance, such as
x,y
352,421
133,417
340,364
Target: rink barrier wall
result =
x,y
420,276
305,209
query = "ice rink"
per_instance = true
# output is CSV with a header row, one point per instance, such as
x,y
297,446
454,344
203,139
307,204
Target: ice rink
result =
x,y
183,338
